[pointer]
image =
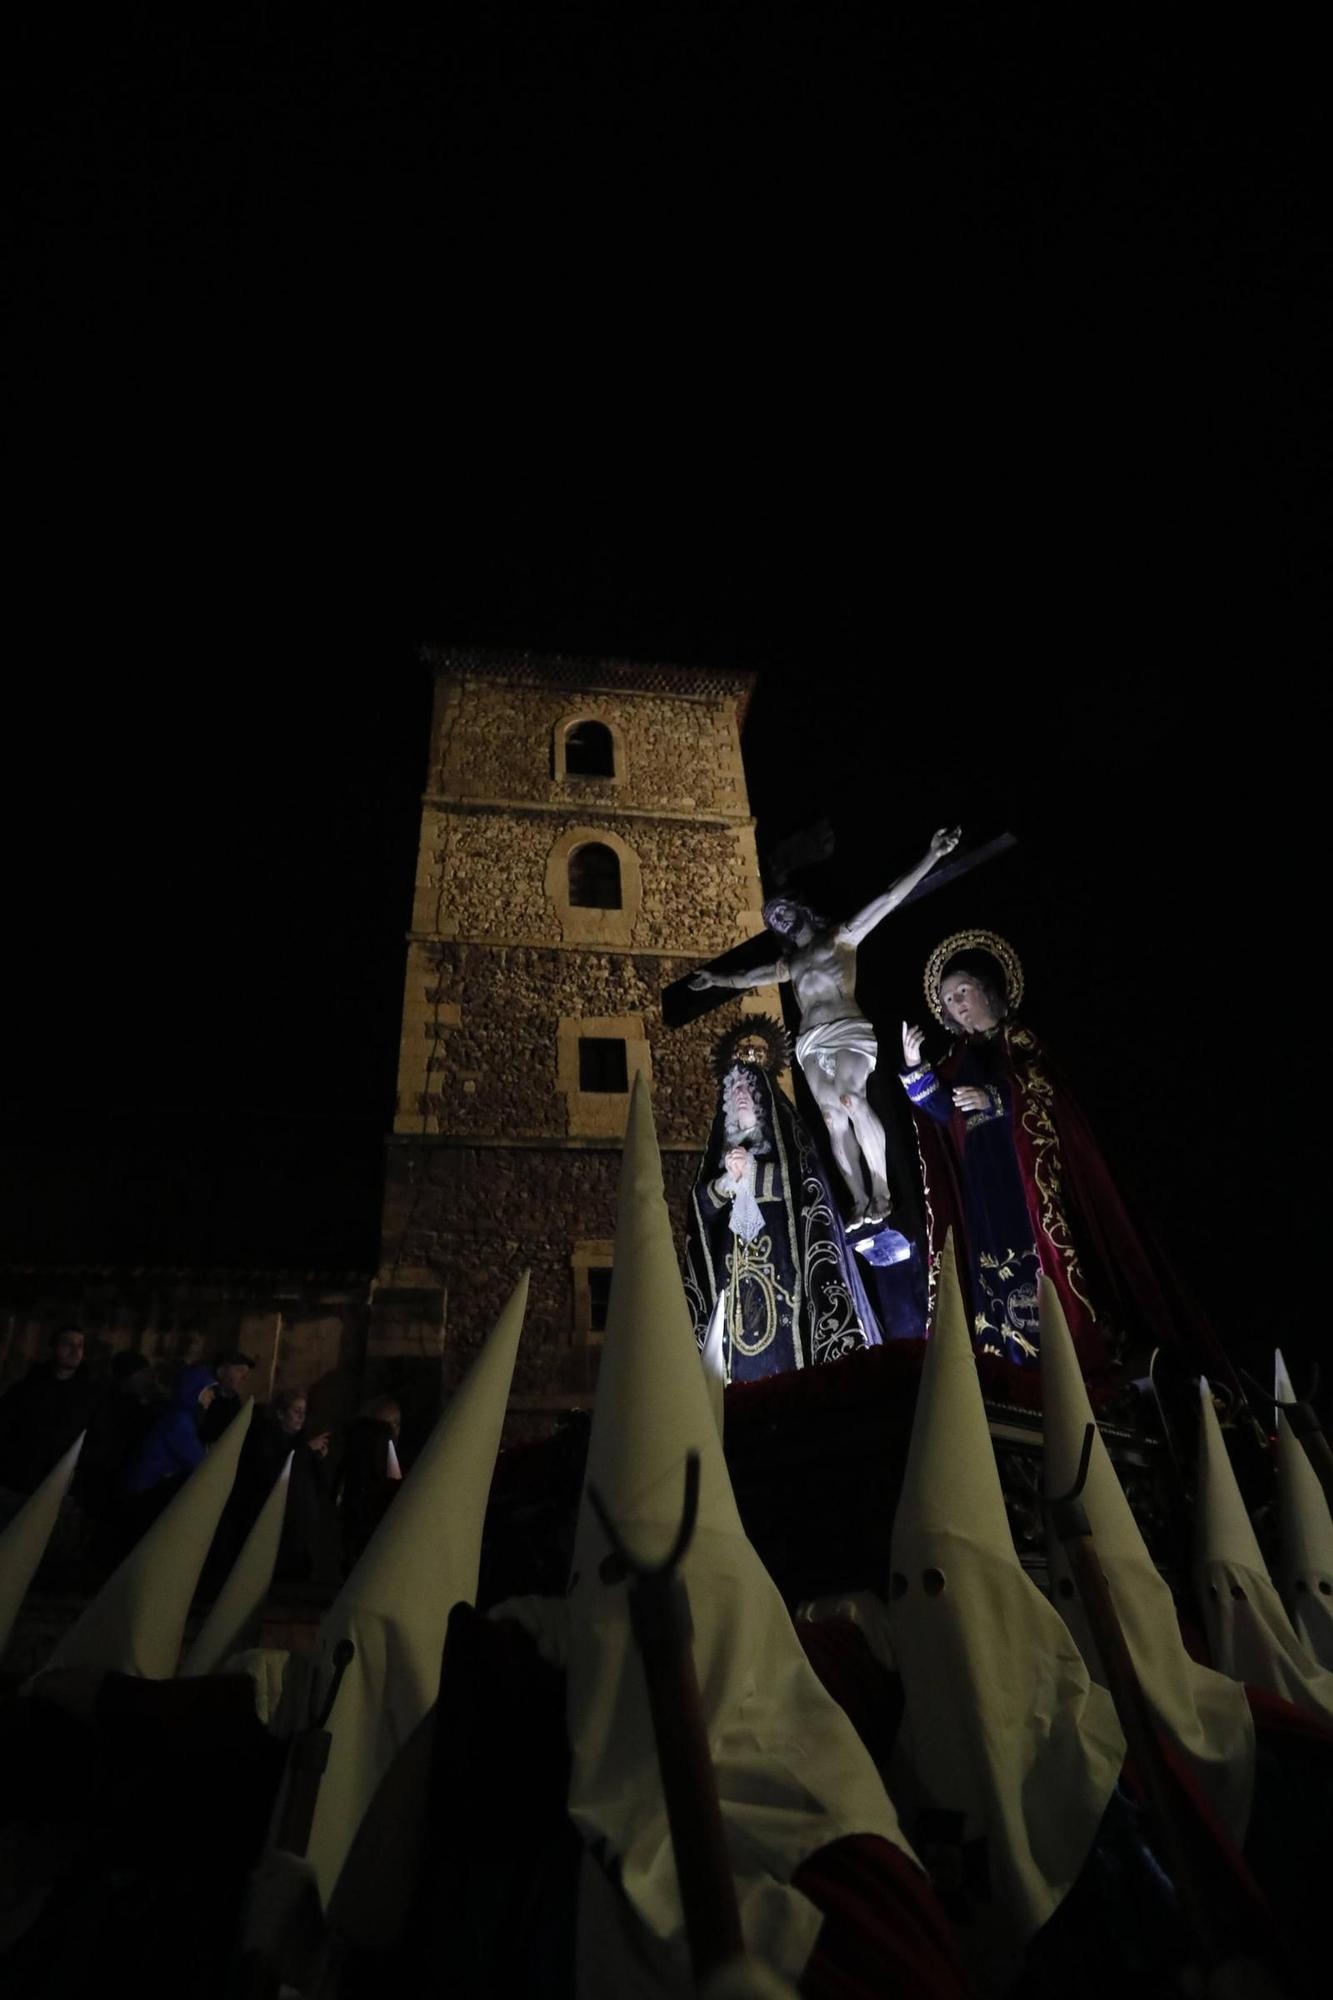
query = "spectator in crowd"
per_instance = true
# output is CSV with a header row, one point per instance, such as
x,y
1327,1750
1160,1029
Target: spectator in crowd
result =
x,y
290,1409
170,1452
41,1416
232,1371
304,1536
278,1428
369,1474
117,1432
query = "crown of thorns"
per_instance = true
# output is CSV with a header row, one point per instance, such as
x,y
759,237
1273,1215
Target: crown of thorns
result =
x,y
758,1040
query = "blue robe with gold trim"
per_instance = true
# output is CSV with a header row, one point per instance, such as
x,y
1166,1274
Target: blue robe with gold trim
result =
x,y
794,1294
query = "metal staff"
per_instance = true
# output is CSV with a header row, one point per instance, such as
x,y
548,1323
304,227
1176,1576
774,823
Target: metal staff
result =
x,y
659,1609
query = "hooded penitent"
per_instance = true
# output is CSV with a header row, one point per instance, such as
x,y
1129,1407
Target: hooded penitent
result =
x,y
1205,1714
1249,1634
1004,1735
23,1543
791,1773
1306,1531
422,1560
237,1605
136,1622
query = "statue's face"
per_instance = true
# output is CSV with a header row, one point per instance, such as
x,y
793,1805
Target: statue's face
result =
x,y
788,919
742,1105
967,1003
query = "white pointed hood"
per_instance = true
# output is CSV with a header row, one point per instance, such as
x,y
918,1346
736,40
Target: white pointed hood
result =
x,y
236,1608
1002,1723
1249,1634
792,1774
422,1560
1306,1532
24,1541
136,1622
1204,1713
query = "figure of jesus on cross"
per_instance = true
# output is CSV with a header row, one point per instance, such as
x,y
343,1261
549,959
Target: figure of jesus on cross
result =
x,y
836,1046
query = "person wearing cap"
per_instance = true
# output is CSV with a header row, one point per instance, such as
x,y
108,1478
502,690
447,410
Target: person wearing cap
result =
x,y
233,1370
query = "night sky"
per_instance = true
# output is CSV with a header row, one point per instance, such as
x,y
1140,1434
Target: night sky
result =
x,y
967,381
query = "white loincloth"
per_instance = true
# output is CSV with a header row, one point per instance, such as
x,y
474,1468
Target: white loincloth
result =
x,y
824,1042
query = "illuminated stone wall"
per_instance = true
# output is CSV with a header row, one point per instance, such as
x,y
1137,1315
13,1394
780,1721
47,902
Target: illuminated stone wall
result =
x,y
493,738
499,1158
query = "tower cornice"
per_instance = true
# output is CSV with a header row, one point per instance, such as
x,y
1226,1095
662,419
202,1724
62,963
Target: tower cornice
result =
x,y
583,675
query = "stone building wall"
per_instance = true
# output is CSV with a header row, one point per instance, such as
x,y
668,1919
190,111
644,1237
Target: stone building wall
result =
x,y
501,1158
493,739
489,1057
480,1215
483,876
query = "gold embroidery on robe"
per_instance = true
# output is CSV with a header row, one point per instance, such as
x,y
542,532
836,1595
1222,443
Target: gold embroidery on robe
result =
x,y
752,1263
1047,1166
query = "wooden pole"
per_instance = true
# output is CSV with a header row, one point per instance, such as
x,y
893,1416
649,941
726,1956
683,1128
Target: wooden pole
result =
x,y
664,1635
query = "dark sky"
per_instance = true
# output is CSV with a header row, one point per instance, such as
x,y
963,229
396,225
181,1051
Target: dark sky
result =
x,y
966,379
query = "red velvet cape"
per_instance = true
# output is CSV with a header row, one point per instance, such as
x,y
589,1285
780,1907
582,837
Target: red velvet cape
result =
x,y
1086,1243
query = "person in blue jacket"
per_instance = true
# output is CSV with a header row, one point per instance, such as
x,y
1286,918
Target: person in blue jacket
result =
x,y
172,1448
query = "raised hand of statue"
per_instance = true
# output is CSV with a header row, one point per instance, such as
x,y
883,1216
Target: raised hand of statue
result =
x,y
701,981
736,1161
912,1040
945,841
968,1098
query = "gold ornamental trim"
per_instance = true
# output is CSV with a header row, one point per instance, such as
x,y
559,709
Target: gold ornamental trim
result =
x,y
1047,1158
757,1039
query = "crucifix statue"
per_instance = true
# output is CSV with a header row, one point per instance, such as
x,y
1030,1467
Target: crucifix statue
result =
x,y
836,1046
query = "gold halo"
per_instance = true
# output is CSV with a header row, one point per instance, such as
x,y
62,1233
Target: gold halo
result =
x,y
990,942
758,1039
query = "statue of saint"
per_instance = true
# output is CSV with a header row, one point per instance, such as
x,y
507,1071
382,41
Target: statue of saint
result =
x,y
836,1046
1011,1167
762,1233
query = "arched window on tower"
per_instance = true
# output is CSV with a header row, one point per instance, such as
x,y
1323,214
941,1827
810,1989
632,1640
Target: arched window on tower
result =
x,y
594,877
589,751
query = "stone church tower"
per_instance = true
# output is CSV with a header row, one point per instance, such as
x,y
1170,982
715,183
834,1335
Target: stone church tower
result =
x,y
585,842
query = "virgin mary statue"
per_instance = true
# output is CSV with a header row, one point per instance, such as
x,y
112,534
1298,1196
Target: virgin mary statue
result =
x,y
763,1231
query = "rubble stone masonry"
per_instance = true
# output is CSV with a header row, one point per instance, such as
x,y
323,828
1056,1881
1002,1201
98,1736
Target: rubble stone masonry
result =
x,y
500,1159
